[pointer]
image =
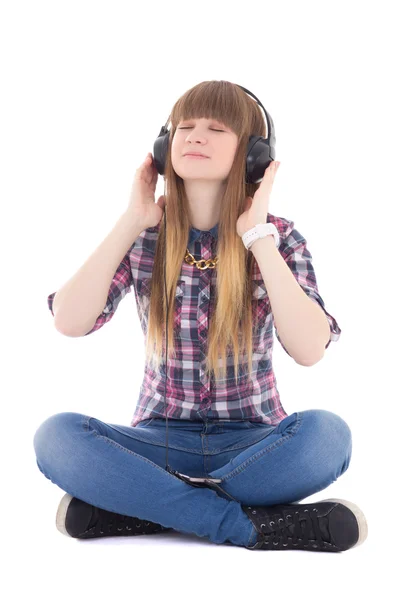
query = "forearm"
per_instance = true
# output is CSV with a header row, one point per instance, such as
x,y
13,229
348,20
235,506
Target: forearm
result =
x,y
301,323
81,299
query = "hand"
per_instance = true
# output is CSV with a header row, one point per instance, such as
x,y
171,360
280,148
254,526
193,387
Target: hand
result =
x,y
142,206
256,209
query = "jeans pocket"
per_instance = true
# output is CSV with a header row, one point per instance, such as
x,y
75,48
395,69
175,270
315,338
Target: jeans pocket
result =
x,y
256,424
144,423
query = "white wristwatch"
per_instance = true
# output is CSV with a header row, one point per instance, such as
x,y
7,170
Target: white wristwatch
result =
x,y
261,230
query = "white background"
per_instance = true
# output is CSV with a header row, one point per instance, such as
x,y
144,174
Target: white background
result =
x,y
86,87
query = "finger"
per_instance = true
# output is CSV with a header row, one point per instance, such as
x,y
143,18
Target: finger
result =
x,y
270,169
273,168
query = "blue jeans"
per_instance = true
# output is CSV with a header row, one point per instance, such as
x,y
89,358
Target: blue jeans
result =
x,y
122,468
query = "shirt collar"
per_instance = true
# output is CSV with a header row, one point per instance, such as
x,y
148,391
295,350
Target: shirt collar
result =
x,y
194,233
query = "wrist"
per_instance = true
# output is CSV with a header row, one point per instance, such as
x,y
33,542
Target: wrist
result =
x,y
258,232
133,220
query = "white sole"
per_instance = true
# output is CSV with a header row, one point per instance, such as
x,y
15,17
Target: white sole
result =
x,y
62,513
361,520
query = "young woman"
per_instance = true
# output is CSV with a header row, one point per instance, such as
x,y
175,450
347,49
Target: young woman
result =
x,y
225,299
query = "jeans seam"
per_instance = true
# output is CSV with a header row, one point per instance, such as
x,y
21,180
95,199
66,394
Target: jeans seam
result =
x,y
253,533
264,451
114,443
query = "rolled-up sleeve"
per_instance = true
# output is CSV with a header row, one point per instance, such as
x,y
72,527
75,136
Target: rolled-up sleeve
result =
x,y
120,286
293,248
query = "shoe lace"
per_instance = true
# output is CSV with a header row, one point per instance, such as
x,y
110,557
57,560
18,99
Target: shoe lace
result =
x,y
297,528
106,522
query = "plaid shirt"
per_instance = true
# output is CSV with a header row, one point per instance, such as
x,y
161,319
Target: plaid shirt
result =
x,y
190,394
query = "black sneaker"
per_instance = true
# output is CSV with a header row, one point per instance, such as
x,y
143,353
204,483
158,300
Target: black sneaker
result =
x,y
79,519
332,525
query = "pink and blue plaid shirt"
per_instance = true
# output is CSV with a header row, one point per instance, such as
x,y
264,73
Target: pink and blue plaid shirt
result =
x,y
190,394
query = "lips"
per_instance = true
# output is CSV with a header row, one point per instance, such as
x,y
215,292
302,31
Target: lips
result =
x,y
195,154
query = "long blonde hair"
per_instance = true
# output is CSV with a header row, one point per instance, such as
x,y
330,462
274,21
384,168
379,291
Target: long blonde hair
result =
x,y
232,320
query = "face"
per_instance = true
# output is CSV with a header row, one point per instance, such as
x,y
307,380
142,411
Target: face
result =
x,y
209,137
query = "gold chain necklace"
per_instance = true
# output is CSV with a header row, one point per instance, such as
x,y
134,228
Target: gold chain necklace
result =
x,y
210,263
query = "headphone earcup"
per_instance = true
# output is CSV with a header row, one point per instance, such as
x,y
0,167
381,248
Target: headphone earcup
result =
x,y
160,150
259,156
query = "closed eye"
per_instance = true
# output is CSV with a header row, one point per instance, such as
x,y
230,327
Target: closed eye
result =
x,y
210,128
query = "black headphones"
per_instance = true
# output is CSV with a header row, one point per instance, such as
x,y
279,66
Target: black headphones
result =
x,y
260,153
